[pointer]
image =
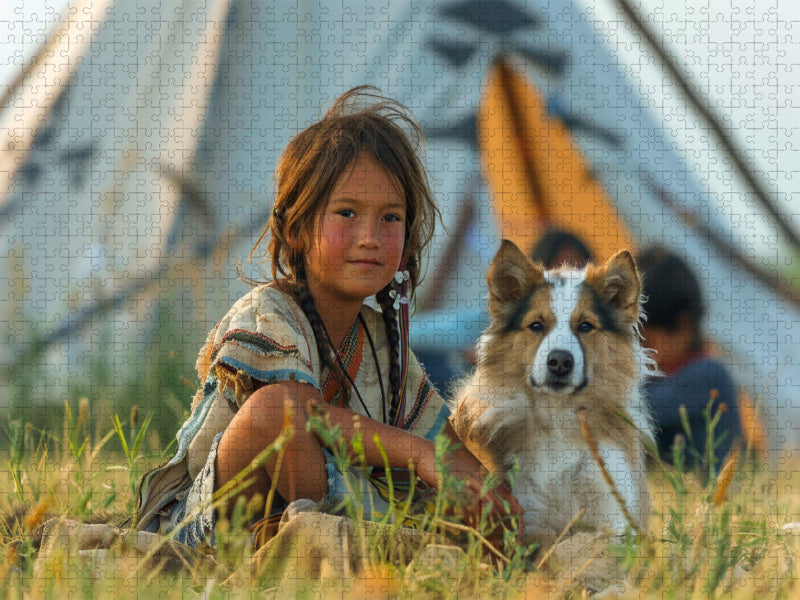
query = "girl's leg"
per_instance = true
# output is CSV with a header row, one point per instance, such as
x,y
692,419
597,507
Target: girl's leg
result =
x,y
256,425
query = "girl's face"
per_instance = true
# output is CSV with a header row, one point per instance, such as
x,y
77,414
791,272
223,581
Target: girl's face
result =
x,y
357,243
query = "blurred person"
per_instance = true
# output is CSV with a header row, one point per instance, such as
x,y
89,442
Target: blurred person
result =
x,y
691,378
557,247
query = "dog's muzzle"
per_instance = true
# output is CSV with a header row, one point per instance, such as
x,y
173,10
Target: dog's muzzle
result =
x,y
560,364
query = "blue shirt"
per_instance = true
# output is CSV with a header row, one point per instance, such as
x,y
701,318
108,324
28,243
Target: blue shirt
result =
x,y
691,387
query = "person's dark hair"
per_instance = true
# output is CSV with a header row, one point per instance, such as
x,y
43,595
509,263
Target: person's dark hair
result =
x,y
553,241
672,291
360,121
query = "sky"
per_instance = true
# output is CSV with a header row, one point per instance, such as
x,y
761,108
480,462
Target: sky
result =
x,y
743,56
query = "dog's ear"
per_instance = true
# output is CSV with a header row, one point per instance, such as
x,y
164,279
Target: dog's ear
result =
x,y
510,276
618,282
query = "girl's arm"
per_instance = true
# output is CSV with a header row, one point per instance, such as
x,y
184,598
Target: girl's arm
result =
x,y
404,449
302,472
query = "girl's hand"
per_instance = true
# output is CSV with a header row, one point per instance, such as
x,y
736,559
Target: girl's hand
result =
x,y
499,504
473,500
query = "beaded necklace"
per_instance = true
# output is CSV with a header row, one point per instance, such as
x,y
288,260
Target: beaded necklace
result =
x,y
351,347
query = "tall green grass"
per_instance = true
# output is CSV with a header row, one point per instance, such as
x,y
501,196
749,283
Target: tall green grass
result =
x,y
711,536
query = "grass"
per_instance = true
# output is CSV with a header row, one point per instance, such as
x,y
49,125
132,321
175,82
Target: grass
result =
x,y
710,536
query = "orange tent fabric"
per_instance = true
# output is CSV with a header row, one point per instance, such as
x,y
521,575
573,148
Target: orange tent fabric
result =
x,y
536,172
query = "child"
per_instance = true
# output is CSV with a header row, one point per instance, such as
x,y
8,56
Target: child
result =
x,y
352,215
675,312
557,247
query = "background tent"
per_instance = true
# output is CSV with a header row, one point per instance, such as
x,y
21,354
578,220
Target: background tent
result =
x,y
138,149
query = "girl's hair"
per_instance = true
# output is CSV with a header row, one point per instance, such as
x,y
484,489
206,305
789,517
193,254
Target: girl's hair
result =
x,y
361,120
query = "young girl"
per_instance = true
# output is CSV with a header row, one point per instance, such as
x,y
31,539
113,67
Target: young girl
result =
x,y
352,216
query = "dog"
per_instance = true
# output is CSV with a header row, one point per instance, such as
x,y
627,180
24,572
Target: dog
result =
x,y
558,373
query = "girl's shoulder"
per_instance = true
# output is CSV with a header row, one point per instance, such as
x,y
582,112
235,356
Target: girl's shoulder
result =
x,y
265,319
265,306
262,295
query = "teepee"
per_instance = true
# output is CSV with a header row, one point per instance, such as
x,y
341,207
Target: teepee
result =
x,y
138,148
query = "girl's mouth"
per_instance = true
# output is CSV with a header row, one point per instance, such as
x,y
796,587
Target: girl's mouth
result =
x,y
366,262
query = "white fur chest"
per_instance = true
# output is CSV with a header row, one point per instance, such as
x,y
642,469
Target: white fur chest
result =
x,y
558,477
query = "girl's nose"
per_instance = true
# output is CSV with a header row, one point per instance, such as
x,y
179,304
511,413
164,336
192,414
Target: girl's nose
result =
x,y
369,232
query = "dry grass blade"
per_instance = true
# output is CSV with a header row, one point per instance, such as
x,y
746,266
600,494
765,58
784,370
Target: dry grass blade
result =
x,y
580,570
230,489
560,537
288,427
591,442
467,529
724,479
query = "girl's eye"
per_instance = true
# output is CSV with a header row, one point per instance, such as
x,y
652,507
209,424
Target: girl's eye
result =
x,y
392,218
585,327
346,213
536,326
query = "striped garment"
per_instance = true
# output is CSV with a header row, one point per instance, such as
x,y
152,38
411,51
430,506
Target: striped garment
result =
x,y
266,338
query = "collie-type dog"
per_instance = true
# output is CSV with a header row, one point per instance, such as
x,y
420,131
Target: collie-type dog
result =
x,y
557,393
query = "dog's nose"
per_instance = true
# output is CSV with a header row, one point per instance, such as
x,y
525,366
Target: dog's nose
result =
x,y
560,362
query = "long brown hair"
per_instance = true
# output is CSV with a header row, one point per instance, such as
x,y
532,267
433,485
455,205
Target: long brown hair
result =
x,y
361,120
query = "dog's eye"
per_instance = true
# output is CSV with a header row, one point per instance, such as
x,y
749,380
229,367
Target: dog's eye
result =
x,y
536,326
585,327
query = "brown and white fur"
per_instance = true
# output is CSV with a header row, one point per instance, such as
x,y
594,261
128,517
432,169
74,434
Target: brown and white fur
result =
x,y
561,341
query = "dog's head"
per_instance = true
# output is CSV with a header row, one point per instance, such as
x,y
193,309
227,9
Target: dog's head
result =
x,y
566,329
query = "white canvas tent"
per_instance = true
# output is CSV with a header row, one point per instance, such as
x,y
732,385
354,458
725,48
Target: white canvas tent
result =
x,y
138,150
